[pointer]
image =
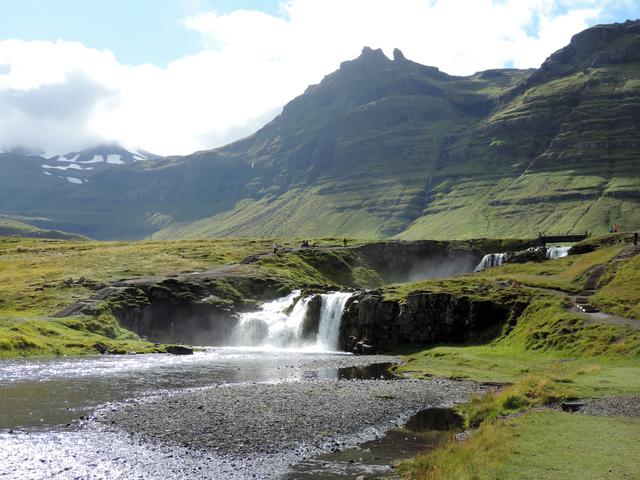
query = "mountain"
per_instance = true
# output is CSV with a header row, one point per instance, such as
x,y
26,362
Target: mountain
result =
x,y
78,167
388,147
14,227
59,192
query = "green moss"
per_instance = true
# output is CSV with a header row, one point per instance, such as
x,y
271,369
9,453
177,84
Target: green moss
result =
x,y
71,336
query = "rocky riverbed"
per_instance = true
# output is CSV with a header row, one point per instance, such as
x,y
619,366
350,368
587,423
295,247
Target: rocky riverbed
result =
x,y
240,424
259,429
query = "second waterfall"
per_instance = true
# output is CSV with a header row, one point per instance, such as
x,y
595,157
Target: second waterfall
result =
x,y
311,323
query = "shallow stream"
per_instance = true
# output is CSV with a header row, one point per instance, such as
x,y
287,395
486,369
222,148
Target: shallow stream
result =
x,y
221,413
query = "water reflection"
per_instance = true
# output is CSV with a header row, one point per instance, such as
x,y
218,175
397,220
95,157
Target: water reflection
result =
x,y
425,430
440,419
376,371
57,391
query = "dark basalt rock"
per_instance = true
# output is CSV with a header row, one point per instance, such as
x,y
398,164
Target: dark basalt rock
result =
x,y
179,350
532,254
193,309
311,321
424,318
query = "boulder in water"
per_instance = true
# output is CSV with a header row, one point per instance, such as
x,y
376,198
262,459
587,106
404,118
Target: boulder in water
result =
x,y
178,350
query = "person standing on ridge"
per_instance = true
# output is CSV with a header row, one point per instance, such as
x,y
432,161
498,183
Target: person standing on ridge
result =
x,y
616,237
344,241
635,239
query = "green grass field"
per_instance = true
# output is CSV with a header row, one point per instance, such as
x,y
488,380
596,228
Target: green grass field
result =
x,y
540,445
33,272
549,356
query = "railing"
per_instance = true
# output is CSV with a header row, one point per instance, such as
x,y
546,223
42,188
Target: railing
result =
x,y
544,238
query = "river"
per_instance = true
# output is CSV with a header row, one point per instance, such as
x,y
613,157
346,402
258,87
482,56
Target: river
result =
x,y
220,413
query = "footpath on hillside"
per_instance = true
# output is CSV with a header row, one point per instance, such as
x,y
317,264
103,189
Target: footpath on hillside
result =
x,y
581,302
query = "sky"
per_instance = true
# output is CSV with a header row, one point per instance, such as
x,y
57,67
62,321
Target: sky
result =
x,y
177,76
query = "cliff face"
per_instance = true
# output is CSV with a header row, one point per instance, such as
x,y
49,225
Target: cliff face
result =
x,y
195,309
423,318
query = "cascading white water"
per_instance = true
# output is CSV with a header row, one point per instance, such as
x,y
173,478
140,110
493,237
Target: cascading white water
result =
x,y
272,325
490,260
276,324
330,319
557,252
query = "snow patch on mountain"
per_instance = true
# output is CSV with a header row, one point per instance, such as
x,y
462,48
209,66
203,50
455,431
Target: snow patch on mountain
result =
x,y
71,166
115,159
95,159
62,158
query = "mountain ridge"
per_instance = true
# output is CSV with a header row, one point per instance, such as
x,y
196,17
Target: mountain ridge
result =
x,y
388,147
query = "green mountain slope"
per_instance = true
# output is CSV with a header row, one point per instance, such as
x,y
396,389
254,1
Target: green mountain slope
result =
x,y
383,148
388,147
10,227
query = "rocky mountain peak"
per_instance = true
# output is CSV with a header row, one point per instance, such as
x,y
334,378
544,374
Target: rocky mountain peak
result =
x,y
398,56
596,46
370,52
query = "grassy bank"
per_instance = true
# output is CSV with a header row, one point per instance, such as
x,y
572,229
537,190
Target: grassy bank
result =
x,y
69,336
618,292
39,277
540,445
550,355
590,359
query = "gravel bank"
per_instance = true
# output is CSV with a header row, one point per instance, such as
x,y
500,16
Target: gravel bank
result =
x,y
257,429
613,406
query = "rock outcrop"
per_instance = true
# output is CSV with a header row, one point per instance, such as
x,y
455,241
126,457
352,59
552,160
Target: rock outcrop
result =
x,y
199,309
311,321
532,254
423,318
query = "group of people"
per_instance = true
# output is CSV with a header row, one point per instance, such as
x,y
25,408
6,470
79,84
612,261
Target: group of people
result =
x,y
305,244
613,230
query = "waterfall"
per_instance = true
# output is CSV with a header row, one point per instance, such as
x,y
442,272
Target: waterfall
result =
x,y
275,324
279,323
490,260
330,319
557,252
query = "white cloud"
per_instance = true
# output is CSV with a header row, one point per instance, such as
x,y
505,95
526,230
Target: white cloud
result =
x,y
251,63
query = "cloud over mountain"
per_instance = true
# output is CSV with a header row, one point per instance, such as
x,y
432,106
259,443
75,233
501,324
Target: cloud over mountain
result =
x,y
62,95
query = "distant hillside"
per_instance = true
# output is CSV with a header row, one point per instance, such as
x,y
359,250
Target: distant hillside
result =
x,y
388,147
13,228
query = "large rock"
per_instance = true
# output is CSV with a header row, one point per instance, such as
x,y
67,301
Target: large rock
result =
x,y
191,308
532,254
311,322
179,350
423,318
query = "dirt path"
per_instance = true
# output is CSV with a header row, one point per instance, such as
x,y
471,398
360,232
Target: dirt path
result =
x,y
26,319
581,302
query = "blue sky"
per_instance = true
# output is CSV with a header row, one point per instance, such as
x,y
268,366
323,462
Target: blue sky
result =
x,y
137,31
175,76
151,31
